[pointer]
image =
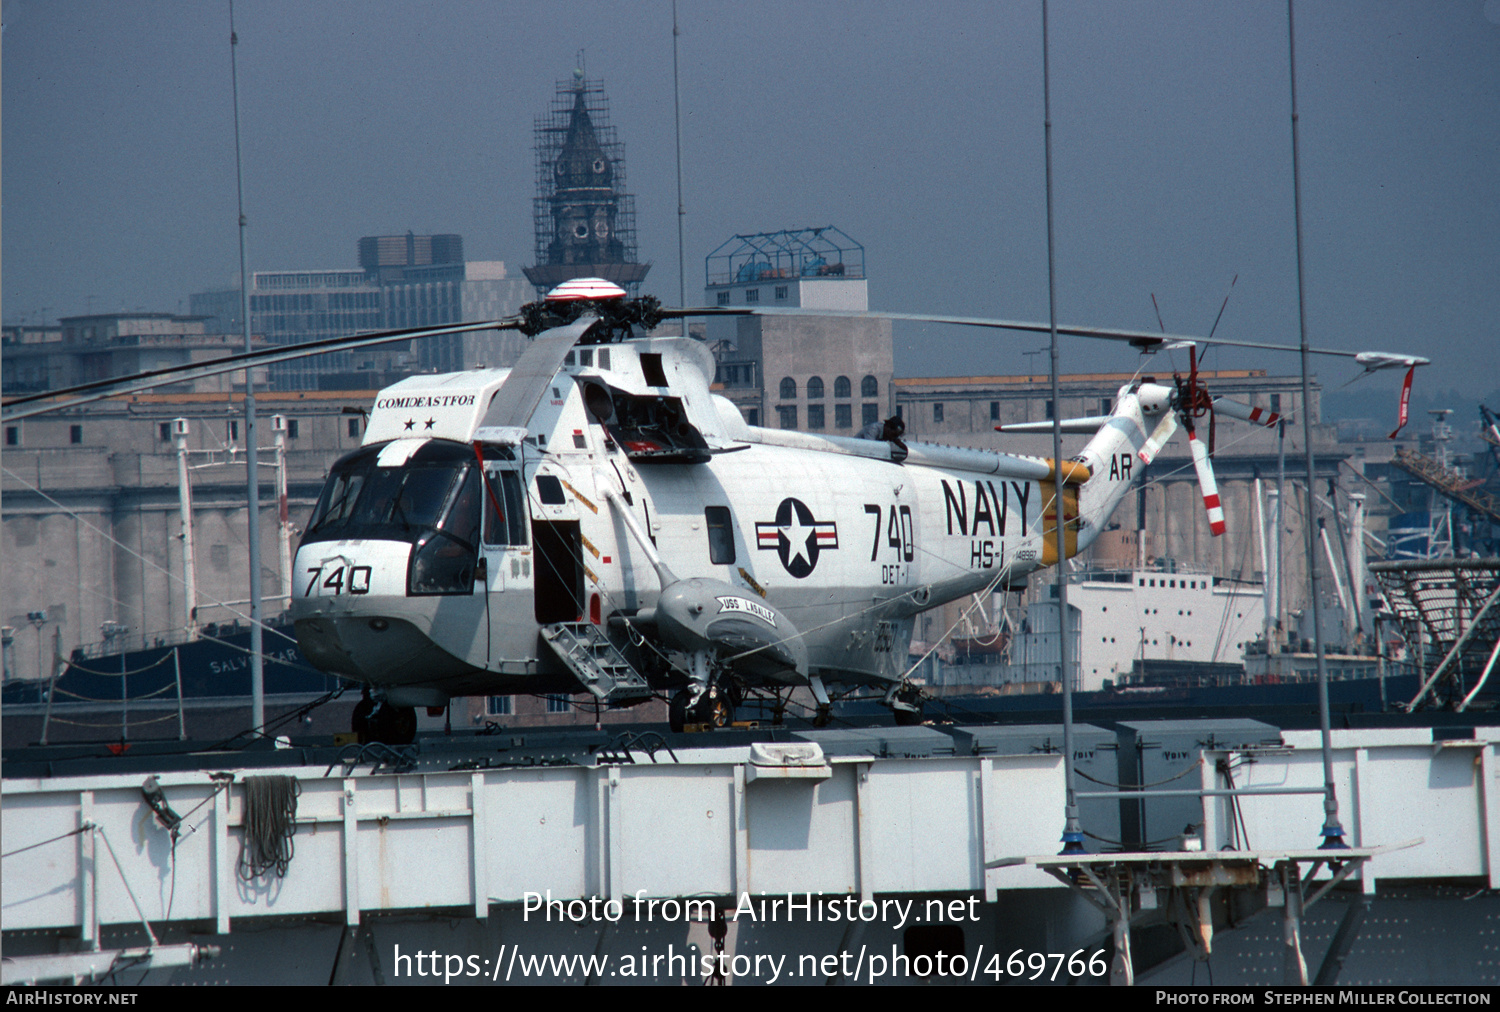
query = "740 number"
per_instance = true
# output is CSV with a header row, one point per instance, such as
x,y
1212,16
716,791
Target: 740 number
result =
x,y
357,582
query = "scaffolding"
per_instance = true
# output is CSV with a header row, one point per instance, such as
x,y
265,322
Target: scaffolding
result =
x,y
825,252
551,131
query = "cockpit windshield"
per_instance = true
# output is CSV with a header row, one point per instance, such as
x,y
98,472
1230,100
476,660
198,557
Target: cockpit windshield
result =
x,y
434,490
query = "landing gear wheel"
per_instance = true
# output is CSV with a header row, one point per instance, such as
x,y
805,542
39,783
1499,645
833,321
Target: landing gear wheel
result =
x,y
713,708
389,725
908,707
359,720
717,709
677,710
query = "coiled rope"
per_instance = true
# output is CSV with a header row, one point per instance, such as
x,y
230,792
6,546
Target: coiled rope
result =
x,y
270,822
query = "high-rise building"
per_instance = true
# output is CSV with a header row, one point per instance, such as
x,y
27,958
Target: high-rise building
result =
x,y
584,221
403,281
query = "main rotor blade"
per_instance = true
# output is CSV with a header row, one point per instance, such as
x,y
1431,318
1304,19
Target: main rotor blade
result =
x,y
512,406
1142,339
84,393
1207,484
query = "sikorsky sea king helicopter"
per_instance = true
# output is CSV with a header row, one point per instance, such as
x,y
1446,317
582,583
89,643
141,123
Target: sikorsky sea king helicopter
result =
x,y
595,519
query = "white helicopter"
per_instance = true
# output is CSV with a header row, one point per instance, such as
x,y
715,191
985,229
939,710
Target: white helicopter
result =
x,y
596,520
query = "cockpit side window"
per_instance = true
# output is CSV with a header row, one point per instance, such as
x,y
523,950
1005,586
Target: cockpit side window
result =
x,y
504,487
338,499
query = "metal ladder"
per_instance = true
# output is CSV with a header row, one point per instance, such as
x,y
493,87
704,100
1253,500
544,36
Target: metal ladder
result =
x,y
597,662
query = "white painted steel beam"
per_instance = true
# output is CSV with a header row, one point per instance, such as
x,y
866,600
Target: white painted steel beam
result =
x,y
466,840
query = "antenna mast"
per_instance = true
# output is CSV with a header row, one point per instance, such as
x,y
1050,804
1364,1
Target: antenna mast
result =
x,y
252,460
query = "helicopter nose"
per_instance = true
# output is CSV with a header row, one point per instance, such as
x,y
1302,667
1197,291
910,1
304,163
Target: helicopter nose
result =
x,y
379,649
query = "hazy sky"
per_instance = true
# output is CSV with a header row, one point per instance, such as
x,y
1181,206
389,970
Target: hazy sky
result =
x,y
918,133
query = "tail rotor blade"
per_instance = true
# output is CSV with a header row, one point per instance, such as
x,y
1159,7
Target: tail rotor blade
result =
x,y
1208,485
1244,412
1158,437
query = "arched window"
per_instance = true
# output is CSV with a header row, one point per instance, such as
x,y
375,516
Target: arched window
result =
x,y
841,387
869,387
788,389
815,388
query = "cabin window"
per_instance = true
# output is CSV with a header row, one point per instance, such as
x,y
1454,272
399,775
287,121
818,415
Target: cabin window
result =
x,y
815,388
720,535
603,358
586,356
550,490
842,387
788,389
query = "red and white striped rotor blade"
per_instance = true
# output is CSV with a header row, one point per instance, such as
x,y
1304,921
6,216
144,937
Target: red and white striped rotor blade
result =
x,y
1244,412
1208,485
1158,438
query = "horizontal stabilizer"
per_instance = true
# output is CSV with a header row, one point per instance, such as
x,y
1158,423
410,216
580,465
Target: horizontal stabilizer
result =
x,y
1159,437
1244,412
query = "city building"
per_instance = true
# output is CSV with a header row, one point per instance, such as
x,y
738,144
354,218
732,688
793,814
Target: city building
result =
x,y
81,349
403,281
91,529
830,374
